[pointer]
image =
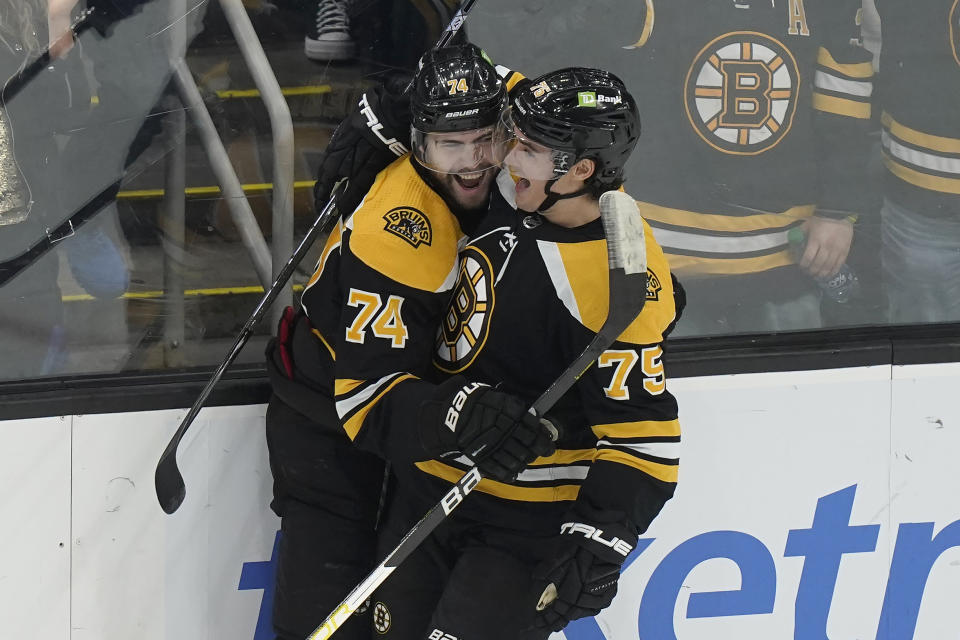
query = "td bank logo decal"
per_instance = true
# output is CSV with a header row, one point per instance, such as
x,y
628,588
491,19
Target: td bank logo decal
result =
x,y
741,93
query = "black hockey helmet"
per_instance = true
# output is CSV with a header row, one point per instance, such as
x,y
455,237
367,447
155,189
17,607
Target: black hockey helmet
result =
x,y
456,89
578,113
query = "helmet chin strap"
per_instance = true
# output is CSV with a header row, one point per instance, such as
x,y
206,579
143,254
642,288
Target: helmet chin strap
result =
x,y
553,197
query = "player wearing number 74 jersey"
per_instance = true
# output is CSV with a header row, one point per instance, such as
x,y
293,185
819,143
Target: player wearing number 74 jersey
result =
x,y
358,353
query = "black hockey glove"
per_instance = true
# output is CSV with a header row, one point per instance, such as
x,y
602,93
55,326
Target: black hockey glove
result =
x,y
580,578
491,428
375,134
106,13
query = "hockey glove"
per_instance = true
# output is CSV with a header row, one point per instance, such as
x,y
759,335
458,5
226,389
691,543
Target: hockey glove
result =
x,y
580,579
106,13
375,134
493,429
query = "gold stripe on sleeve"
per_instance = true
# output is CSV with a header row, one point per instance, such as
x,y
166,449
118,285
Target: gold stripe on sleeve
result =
x,y
922,180
343,386
333,354
643,429
914,137
841,106
500,489
664,472
353,425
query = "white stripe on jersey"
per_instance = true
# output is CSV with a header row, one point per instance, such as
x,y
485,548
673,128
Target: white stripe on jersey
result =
x,y
923,159
831,82
550,253
671,239
349,404
666,450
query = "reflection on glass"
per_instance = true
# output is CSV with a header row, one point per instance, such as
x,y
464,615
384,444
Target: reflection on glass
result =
x,y
759,118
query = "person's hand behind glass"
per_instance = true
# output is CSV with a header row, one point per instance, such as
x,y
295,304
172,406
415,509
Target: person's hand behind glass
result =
x,y
58,26
828,243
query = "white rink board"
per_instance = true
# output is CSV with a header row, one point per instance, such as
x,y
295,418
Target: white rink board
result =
x,y
873,452
35,528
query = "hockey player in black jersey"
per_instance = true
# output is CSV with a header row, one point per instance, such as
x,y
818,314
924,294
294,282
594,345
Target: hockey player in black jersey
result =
x,y
920,99
531,290
358,352
759,114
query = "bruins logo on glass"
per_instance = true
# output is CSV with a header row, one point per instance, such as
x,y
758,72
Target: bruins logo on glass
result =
x,y
955,30
464,327
741,92
653,286
409,224
381,618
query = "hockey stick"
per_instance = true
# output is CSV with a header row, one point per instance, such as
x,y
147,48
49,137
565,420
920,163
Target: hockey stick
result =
x,y
626,250
168,480
19,80
169,483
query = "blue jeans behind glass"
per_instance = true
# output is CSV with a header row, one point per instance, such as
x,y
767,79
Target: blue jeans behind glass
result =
x,y
921,266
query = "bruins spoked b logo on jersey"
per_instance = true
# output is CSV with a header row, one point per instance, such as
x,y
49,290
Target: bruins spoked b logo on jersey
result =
x,y
410,224
382,618
741,92
464,328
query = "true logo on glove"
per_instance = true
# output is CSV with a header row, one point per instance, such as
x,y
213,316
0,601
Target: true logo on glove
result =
x,y
374,124
592,533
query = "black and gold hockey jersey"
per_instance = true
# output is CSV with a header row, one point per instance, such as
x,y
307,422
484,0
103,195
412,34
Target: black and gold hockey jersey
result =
x,y
529,297
373,304
756,116
920,99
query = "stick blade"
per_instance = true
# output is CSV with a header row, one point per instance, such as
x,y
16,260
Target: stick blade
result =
x,y
169,483
623,224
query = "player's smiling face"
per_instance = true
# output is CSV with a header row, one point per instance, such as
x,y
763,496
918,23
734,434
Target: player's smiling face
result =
x,y
463,163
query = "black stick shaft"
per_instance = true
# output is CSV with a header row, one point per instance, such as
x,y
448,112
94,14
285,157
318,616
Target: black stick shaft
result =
x,y
170,489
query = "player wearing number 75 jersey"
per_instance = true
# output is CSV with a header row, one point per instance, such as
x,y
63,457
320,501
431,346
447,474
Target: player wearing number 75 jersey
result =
x,y
531,292
358,353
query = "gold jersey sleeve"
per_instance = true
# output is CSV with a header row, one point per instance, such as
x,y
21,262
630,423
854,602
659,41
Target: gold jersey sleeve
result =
x,y
405,231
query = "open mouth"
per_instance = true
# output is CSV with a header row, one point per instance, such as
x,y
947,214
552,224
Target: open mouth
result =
x,y
522,185
469,181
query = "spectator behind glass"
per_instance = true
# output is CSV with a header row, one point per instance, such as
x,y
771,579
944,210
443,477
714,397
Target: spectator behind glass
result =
x,y
758,122
65,152
920,98
30,305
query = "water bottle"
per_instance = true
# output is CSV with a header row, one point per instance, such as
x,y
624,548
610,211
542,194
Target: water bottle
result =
x,y
841,286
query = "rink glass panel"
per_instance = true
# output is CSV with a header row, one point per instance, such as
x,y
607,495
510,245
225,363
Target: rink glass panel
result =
x,y
731,158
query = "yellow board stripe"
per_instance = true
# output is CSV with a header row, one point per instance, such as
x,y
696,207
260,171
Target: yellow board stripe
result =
x,y
501,490
711,222
841,106
664,472
643,429
925,140
851,70
344,385
686,265
287,91
189,293
195,192
923,180
353,425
